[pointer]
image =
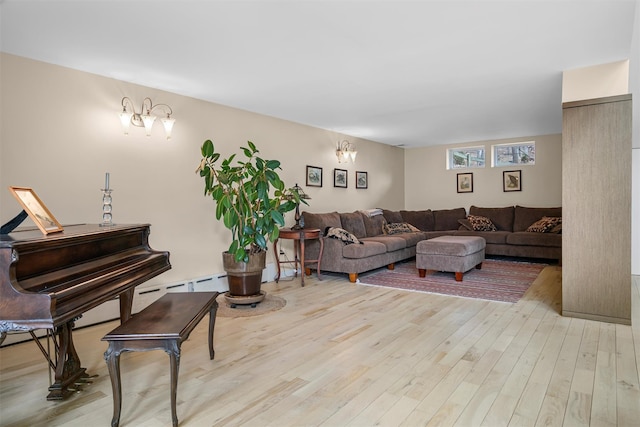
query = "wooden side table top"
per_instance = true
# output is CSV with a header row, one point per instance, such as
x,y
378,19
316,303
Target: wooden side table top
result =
x,y
302,233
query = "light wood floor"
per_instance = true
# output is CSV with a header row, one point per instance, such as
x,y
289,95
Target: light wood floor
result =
x,y
342,354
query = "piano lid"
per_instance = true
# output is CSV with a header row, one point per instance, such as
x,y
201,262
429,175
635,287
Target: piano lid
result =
x,y
30,234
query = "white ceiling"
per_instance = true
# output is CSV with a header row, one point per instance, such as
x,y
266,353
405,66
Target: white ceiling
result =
x,y
411,73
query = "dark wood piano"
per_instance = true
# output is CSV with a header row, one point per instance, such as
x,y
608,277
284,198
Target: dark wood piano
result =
x,y
47,282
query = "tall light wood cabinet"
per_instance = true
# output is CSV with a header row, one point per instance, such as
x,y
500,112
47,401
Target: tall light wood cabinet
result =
x,y
596,209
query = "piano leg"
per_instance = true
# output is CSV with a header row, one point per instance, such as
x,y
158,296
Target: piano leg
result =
x,y
68,370
126,302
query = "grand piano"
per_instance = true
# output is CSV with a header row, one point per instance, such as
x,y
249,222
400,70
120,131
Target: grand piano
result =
x,y
49,281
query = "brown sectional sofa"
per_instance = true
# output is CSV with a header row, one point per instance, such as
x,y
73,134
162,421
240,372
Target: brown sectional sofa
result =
x,y
378,249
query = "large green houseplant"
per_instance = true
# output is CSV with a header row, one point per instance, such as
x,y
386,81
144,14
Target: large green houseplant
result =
x,y
251,201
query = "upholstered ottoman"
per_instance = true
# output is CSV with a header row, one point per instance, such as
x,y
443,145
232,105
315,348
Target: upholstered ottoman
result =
x,y
456,254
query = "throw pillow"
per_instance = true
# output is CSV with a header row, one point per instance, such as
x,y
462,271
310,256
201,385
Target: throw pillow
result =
x,y
546,224
481,223
341,234
399,227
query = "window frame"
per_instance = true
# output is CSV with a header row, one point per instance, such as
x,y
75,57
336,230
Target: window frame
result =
x,y
494,154
451,152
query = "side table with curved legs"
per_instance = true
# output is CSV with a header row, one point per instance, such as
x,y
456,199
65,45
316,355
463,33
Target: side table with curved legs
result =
x,y
299,236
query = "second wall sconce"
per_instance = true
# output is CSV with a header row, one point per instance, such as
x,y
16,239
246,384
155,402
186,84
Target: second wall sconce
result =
x,y
345,151
146,117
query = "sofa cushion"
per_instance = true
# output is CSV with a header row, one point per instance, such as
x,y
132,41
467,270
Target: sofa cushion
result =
x,y
412,239
447,219
392,243
492,237
341,234
423,220
321,220
524,238
432,234
524,217
353,223
502,218
545,225
365,250
373,224
392,216
481,223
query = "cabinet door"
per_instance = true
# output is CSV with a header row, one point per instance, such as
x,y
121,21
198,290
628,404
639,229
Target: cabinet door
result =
x,y
596,205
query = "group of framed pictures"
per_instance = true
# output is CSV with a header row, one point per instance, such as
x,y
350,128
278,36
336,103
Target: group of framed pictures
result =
x,y
511,181
340,178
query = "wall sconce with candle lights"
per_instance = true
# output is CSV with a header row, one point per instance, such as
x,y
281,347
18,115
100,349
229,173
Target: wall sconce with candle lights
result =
x,y
146,117
345,151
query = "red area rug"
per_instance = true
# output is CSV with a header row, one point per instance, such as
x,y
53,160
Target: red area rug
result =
x,y
498,280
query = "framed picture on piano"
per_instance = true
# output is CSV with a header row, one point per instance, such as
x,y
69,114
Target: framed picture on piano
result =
x,y
38,212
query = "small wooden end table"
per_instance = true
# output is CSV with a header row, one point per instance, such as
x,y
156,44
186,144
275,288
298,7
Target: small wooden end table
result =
x,y
299,236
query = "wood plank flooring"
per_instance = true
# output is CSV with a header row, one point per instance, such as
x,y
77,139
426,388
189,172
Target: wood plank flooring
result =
x,y
343,354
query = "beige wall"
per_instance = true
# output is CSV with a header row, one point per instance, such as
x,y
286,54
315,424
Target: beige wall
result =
x,y
60,133
428,184
596,81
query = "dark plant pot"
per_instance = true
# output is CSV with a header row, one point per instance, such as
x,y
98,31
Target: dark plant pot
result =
x,y
244,278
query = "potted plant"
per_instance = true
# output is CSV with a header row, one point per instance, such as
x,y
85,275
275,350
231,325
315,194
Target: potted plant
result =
x,y
251,201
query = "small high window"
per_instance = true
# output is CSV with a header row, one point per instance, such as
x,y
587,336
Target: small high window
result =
x,y
467,157
514,154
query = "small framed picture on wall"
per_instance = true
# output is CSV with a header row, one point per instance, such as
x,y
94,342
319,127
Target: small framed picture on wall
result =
x,y
512,180
314,176
362,179
340,178
464,182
